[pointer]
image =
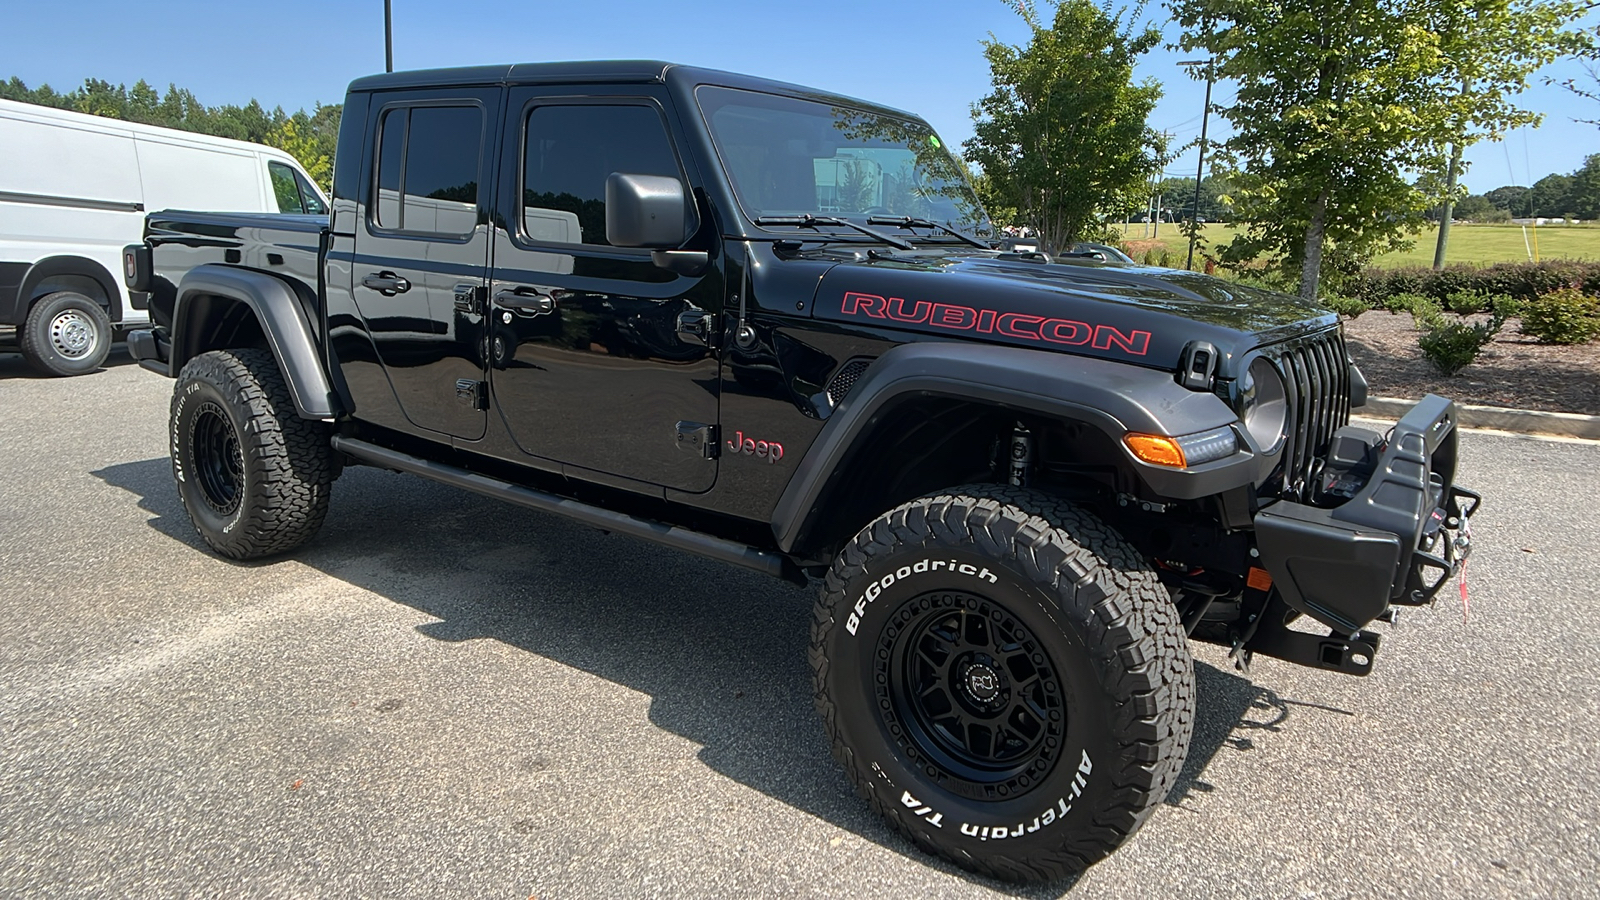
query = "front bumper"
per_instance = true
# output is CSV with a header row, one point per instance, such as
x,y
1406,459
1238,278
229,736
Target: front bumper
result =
x,y
1397,540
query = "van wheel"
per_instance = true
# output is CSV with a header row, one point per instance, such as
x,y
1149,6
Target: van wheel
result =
x,y
66,333
254,477
1004,679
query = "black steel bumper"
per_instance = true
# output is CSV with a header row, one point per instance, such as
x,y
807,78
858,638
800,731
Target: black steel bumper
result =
x,y
1398,540
152,349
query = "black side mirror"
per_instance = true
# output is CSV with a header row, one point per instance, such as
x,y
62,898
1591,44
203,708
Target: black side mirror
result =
x,y
648,211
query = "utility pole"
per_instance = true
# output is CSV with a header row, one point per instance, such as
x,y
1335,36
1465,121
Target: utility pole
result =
x,y
388,37
1200,169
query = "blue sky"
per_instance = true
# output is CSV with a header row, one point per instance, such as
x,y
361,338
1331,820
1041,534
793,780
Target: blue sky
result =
x,y
920,56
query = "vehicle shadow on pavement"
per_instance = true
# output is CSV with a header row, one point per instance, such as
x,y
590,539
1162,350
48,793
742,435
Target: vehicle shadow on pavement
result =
x,y
12,365
720,651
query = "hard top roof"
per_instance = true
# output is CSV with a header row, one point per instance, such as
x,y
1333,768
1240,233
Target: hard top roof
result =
x,y
616,71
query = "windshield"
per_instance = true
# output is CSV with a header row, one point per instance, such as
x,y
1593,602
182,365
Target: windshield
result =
x,y
789,157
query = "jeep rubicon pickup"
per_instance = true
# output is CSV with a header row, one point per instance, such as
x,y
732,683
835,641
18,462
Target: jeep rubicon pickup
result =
x,y
761,323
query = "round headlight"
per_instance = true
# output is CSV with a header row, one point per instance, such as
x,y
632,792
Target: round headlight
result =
x,y
1263,404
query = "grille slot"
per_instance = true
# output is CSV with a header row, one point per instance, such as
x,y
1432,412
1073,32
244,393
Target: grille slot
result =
x,y
1316,374
845,379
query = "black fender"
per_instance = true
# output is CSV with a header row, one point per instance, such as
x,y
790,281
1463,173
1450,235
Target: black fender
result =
x,y
55,267
1114,397
208,290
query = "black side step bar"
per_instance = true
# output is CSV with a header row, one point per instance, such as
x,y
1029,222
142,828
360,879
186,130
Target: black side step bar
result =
x,y
775,564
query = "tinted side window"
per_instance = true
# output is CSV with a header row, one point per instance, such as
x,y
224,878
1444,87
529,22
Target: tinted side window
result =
x,y
428,169
309,198
569,151
391,146
284,188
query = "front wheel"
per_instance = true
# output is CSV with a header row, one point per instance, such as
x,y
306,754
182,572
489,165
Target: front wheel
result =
x,y
1004,679
254,476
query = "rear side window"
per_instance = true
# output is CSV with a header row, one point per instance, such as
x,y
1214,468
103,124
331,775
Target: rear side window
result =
x,y
570,151
427,172
309,198
284,188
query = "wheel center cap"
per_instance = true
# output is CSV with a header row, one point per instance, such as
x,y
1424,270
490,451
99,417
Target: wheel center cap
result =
x,y
982,682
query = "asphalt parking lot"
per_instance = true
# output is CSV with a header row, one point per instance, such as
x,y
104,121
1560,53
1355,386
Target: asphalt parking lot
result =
x,y
447,697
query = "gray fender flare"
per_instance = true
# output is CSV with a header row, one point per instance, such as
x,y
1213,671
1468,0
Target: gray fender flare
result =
x,y
1115,397
282,319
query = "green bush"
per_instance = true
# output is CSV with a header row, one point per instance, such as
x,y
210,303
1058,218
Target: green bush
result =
x,y
1452,345
1567,316
1349,307
1523,281
1427,314
1465,303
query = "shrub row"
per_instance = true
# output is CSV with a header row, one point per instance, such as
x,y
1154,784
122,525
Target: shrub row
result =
x,y
1522,281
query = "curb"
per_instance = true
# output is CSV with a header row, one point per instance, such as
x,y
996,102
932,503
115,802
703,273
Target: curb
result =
x,y
1521,421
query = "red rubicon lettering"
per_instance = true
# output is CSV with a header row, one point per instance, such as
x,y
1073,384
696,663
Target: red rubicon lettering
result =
x,y
955,317
1009,324
1066,331
1136,343
919,310
958,317
868,304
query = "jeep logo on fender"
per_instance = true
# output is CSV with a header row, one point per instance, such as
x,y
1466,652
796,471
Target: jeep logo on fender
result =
x,y
1069,332
771,451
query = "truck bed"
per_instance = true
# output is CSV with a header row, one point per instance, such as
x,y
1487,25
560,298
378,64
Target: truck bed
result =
x,y
279,244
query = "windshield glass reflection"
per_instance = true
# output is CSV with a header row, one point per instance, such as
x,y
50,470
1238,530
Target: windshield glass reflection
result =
x,y
790,157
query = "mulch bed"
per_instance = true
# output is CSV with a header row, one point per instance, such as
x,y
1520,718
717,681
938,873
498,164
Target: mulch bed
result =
x,y
1514,371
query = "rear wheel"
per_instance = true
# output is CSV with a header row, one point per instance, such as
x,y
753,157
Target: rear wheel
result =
x,y
254,477
65,333
1004,679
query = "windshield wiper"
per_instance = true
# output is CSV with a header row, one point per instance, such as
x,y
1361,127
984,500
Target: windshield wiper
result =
x,y
809,221
909,222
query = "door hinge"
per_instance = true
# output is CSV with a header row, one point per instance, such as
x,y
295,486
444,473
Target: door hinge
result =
x,y
693,437
473,394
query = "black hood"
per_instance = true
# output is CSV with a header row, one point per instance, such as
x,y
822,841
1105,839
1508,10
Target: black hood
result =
x,y
1136,314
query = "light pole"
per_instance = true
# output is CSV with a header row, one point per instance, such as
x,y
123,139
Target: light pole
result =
x,y
388,37
1200,170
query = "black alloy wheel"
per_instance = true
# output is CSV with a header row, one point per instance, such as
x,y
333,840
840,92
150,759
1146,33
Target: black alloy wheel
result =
x,y
974,690
218,461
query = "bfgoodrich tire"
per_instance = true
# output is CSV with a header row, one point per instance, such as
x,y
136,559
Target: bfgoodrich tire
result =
x,y
1004,679
254,476
65,334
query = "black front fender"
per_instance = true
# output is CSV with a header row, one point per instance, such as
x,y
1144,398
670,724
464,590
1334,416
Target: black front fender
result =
x,y
281,316
1115,397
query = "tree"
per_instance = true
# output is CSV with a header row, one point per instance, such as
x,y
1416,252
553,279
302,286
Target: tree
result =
x,y
1475,208
1063,137
1584,197
1550,196
1511,198
1338,99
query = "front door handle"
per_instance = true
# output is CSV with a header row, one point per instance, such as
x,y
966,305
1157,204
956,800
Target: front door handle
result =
x,y
386,283
525,299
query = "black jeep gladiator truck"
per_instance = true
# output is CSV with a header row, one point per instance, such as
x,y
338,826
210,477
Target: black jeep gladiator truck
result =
x,y
761,323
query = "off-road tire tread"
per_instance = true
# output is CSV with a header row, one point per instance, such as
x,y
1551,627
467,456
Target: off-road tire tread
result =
x,y
38,354
1135,635
289,457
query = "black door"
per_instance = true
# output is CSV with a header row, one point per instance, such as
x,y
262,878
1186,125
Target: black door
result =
x,y
589,368
422,252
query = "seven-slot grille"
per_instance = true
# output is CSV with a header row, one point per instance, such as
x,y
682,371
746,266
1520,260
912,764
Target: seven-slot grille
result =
x,y
1316,374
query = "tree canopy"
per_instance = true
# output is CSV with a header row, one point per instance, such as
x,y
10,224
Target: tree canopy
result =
x,y
1062,138
308,137
1337,100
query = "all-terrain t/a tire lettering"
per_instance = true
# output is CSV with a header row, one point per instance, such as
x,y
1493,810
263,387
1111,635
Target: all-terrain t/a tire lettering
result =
x,y
254,476
1004,679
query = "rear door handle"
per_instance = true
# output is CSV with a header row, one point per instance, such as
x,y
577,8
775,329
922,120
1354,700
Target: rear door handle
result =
x,y
386,283
525,299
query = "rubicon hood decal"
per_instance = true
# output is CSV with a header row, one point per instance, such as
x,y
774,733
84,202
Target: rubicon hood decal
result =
x,y
1022,326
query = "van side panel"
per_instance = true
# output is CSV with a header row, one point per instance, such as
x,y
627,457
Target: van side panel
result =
x,y
185,176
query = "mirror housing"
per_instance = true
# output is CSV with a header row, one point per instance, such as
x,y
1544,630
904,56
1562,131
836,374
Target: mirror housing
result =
x,y
649,211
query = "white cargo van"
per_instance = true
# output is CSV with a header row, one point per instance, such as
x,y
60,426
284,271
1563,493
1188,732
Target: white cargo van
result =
x,y
74,190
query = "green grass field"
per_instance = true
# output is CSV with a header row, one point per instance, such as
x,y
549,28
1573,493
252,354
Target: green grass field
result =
x,y
1477,244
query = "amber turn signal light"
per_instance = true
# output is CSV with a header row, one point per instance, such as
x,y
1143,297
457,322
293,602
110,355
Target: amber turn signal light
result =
x,y
1156,450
